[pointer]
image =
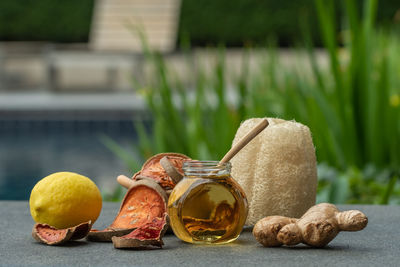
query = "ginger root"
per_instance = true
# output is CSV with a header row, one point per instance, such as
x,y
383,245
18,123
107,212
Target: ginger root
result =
x,y
317,227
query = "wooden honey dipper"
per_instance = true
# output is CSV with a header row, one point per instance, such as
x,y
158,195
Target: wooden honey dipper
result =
x,y
128,182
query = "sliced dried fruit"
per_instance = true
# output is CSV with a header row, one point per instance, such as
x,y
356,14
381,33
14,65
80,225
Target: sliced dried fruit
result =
x,y
50,235
106,234
142,177
143,202
169,191
81,230
168,164
149,234
153,169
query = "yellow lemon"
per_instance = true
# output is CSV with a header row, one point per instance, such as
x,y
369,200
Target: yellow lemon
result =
x,y
65,199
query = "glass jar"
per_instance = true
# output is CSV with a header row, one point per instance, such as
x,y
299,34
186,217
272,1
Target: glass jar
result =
x,y
207,206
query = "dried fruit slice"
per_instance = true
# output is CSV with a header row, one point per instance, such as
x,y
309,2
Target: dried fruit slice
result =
x,y
50,235
81,230
153,169
149,234
141,177
143,202
106,234
168,165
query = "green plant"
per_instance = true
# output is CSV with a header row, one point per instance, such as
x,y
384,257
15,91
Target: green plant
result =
x,y
45,20
352,106
238,22
243,21
367,186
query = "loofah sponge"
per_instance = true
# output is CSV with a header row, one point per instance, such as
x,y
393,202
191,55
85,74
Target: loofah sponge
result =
x,y
277,169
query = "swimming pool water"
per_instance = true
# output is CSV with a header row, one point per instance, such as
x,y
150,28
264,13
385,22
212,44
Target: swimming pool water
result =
x,y
33,149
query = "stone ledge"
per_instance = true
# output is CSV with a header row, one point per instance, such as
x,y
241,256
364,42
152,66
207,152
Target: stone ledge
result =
x,y
377,245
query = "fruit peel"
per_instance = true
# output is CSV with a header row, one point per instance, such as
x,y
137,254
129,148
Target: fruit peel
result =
x,y
153,169
169,163
106,234
143,202
144,237
50,235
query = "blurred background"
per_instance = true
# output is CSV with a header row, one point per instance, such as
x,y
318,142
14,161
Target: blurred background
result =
x,y
97,86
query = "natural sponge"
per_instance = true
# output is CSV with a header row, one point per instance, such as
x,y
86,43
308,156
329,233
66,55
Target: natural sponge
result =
x,y
277,169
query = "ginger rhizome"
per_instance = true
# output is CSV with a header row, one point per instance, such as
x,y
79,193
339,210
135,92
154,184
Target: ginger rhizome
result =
x,y
317,227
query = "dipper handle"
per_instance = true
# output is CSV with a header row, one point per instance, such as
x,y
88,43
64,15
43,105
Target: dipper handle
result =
x,y
244,141
125,181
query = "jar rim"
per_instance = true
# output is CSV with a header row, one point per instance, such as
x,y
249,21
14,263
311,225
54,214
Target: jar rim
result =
x,y
205,163
205,168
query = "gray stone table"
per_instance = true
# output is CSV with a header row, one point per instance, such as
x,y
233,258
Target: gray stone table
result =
x,y
378,244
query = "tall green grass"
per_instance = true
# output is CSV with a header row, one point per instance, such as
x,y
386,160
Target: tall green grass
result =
x,y
352,106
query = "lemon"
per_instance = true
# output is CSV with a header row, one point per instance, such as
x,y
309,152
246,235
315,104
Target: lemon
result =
x,y
65,199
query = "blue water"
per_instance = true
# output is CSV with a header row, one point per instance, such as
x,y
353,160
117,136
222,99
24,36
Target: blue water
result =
x,y
33,149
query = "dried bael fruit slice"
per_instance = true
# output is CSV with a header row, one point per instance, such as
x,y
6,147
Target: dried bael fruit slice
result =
x,y
152,168
50,235
147,235
106,234
143,202
169,163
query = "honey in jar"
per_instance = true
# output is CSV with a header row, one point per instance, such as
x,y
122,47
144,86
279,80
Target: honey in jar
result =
x,y
207,206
